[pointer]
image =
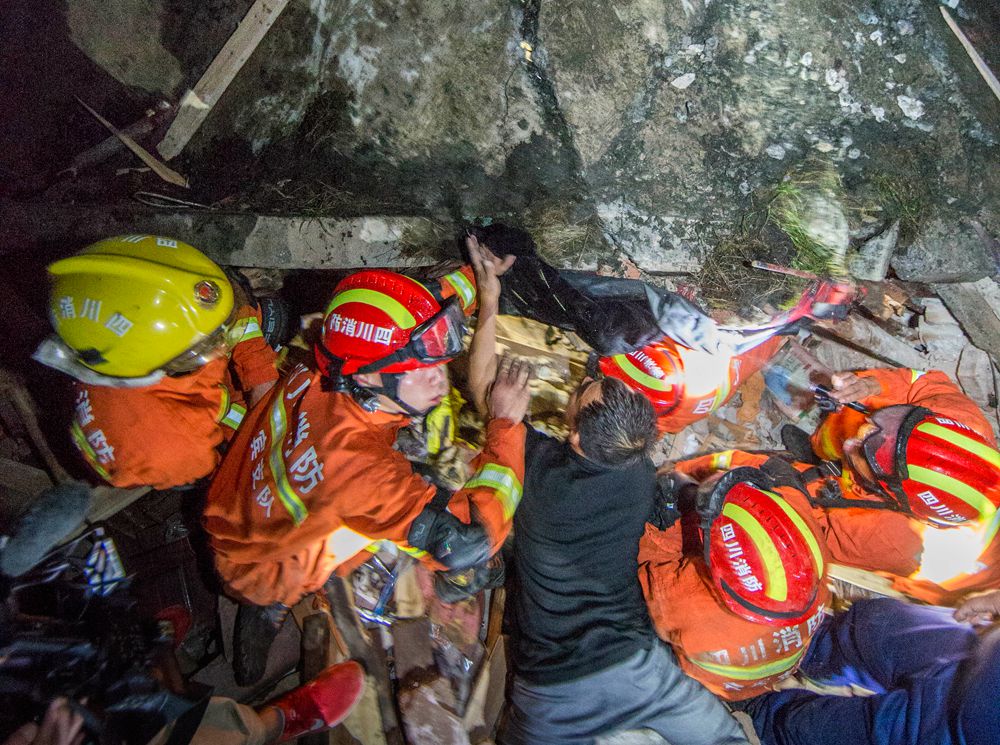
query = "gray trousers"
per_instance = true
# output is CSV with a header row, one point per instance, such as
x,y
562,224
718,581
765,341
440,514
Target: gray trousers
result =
x,y
648,690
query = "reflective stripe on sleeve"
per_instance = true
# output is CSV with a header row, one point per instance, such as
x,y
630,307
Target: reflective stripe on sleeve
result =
x,y
234,416
722,460
503,481
462,287
243,330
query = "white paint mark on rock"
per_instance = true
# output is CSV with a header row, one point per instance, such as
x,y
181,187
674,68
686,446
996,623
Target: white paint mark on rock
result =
x,y
683,81
806,60
853,153
900,58
912,108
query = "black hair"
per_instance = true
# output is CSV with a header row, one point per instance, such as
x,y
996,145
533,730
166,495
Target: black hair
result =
x,y
620,429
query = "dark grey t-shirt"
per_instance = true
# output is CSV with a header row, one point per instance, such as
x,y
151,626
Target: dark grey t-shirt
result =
x,y
575,604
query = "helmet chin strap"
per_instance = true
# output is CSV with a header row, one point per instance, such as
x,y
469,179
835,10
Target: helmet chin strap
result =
x,y
367,396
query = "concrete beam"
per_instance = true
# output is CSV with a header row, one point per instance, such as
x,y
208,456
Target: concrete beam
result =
x,y
976,306
236,239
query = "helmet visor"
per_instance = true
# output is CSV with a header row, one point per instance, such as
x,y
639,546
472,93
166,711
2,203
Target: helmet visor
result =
x,y
884,448
436,340
209,348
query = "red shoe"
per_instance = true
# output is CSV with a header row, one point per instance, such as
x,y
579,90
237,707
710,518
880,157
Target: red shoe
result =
x,y
323,702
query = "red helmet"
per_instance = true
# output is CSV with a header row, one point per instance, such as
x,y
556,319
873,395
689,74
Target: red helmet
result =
x,y
656,371
765,558
940,470
381,321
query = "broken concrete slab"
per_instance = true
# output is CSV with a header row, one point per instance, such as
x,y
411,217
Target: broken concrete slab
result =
x,y
947,249
235,239
976,305
871,261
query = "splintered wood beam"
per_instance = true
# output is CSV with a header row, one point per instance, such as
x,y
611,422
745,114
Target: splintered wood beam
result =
x,y
197,103
160,169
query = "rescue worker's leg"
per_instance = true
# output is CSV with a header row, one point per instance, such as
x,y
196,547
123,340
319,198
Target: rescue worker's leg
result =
x,y
905,716
908,655
882,644
648,690
254,633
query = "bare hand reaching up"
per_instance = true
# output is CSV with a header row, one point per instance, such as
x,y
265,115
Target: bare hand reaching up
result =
x,y
510,395
488,268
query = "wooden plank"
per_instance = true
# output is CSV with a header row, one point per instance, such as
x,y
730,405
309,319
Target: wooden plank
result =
x,y
163,171
361,647
979,62
108,147
197,103
315,659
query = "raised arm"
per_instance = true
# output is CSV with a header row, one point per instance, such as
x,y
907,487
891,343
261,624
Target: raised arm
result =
x,y
482,351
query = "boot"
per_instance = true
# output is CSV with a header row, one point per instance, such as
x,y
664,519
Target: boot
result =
x,y
323,702
256,628
798,443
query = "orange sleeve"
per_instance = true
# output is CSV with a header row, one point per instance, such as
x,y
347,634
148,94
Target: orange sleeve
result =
x,y
953,590
703,466
933,390
660,569
460,283
252,360
876,540
492,494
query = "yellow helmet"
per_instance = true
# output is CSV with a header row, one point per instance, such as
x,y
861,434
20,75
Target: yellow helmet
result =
x,y
134,304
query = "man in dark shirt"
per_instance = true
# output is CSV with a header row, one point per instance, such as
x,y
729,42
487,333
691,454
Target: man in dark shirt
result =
x,y
586,659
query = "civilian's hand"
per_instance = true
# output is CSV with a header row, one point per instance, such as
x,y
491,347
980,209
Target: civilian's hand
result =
x,y
510,395
488,268
850,387
980,608
60,726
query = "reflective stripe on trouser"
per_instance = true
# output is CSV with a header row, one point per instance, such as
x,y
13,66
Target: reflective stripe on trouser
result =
x,y
504,482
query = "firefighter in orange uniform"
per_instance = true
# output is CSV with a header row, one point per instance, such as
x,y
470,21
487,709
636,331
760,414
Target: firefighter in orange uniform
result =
x,y
312,483
166,353
922,458
685,385
737,585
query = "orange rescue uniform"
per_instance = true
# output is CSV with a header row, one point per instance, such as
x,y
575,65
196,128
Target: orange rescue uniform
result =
x,y
312,484
880,540
168,434
709,385
731,656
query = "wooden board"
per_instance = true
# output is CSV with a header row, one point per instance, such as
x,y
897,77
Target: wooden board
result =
x,y
198,103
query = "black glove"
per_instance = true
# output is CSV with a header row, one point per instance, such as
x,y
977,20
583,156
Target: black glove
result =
x,y
665,512
458,584
455,544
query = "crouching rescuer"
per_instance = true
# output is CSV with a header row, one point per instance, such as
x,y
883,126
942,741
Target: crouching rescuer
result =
x,y
312,484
